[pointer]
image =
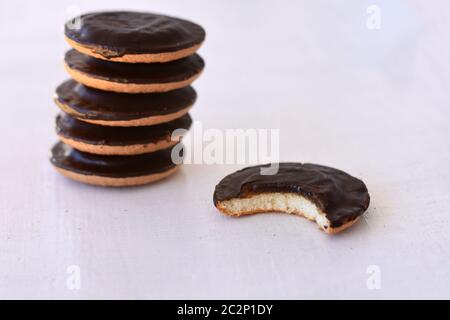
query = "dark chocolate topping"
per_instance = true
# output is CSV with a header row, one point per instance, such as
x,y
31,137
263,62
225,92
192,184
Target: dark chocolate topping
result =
x,y
115,34
67,158
340,196
137,73
97,104
81,131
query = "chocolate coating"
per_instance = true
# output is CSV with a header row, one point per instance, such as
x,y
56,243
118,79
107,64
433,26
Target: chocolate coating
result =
x,y
81,131
97,104
137,73
340,196
125,32
67,158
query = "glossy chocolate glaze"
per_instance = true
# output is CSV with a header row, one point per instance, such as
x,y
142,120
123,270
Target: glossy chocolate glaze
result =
x,y
136,73
67,158
81,131
114,34
96,104
340,196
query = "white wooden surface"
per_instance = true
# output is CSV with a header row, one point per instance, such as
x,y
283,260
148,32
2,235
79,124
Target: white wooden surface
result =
x,y
375,103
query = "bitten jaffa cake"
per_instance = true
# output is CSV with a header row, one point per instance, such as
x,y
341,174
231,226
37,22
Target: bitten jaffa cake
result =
x,y
332,198
129,93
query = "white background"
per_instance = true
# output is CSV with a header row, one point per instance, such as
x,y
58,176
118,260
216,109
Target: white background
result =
x,y
374,103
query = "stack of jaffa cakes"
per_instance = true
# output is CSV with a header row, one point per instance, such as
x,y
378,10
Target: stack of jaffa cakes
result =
x,y
125,110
